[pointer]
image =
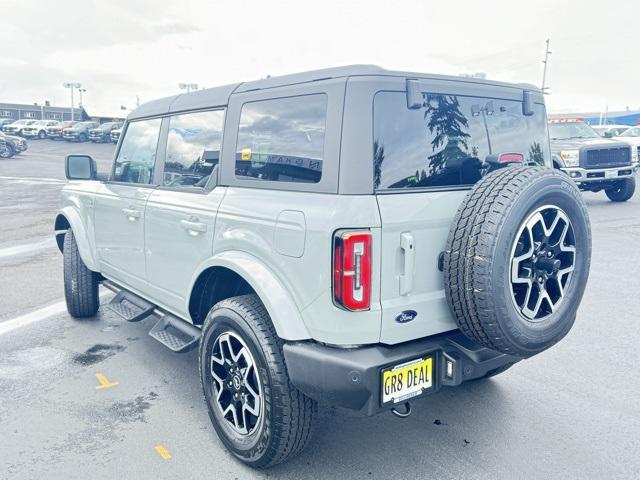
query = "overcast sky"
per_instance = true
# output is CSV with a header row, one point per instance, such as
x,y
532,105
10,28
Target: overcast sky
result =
x,y
120,49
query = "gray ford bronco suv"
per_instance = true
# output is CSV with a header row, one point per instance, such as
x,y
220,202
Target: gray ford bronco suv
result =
x,y
352,236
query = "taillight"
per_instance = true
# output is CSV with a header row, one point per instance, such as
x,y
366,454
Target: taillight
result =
x,y
352,269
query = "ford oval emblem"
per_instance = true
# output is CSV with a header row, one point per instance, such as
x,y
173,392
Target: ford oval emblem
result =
x,y
406,316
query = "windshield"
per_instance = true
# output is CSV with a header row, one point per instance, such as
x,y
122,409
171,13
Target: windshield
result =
x,y
566,131
631,132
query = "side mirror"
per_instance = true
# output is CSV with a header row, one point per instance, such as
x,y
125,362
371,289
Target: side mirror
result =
x,y
80,167
608,134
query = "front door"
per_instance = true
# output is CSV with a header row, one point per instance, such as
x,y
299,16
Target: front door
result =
x,y
180,215
119,207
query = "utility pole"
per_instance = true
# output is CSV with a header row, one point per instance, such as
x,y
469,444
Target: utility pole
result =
x,y
546,63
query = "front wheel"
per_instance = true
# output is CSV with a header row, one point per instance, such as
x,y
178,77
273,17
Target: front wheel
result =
x,y
80,283
622,190
42,135
6,151
259,416
82,138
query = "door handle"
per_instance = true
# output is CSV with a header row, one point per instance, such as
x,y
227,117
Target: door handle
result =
x,y
408,251
131,213
193,227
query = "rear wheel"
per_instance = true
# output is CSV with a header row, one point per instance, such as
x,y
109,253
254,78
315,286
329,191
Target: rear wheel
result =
x,y
80,283
259,416
622,190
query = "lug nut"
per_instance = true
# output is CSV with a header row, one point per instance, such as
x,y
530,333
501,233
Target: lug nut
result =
x,y
549,254
540,279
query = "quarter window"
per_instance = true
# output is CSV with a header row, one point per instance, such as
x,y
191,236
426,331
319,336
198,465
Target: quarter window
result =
x,y
193,148
452,140
137,154
282,139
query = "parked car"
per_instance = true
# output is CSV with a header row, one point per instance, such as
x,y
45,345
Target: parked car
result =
x,y
103,132
632,137
39,129
5,121
593,162
115,134
358,236
79,132
56,132
609,131
15,145
16,127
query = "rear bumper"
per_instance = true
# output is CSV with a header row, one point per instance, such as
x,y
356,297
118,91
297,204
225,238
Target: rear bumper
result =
x,y
351,378
584,175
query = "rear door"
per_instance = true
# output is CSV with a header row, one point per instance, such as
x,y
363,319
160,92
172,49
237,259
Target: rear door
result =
x,y
427,158
180,214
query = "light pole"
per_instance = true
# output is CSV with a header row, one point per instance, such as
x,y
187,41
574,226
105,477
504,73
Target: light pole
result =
x,y
71,86
188,86
81,90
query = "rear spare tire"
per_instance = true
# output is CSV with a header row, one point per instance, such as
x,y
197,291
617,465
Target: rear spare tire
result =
x,y
517,259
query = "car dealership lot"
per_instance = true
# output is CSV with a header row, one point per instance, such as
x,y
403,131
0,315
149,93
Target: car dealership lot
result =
x,y
568,413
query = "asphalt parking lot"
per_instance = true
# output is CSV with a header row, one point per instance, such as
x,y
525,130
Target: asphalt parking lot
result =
x,y
571,412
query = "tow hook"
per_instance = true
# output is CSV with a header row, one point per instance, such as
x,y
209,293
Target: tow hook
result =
x,y
405,414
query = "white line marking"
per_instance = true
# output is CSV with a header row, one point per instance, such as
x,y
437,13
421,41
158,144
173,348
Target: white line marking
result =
x,y
38,315
34,180
27,248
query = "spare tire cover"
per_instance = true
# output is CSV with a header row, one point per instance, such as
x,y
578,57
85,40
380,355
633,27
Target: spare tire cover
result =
x,y
517,259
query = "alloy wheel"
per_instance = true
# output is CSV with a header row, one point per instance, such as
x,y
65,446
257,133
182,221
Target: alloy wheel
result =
x,y
236,381
542,263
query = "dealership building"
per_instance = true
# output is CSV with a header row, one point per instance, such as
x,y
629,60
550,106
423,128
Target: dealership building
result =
x,y
624,117
35,111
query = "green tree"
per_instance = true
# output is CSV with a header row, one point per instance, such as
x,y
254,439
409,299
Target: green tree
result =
x,y
446,123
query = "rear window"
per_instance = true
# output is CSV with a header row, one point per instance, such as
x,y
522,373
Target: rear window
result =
x,y
282,139
452,140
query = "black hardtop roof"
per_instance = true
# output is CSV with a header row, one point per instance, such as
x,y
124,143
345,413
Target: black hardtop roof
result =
x,y
219,96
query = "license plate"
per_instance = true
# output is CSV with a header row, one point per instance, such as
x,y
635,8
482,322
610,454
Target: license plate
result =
x,y
407,380
610,174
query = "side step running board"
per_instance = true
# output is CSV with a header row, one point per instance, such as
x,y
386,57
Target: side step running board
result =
x,y
130,307
173,332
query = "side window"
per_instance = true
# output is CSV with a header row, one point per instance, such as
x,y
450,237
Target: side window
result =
x,y
193,148
137,154
452,140
282,139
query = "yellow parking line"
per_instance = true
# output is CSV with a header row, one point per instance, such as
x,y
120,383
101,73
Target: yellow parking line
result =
x,y
163,452
104,383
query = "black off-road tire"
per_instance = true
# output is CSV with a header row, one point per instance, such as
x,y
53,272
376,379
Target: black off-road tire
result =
x,y
289,415
80,283
622,190
478,255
